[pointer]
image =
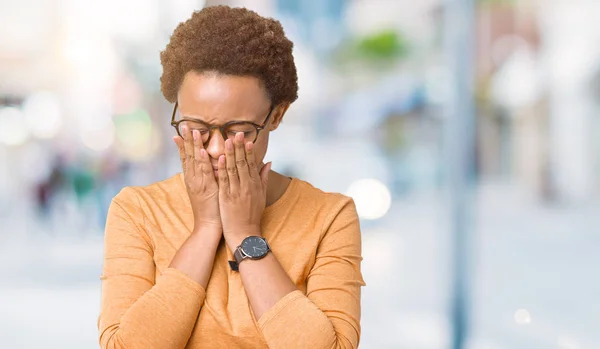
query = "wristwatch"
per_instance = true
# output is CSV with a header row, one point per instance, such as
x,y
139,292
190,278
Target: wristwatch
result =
x,y
252,247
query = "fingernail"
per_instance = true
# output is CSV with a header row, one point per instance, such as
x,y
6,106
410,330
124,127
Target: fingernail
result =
x,y
229,144
249,146
195,134
269,164
239,136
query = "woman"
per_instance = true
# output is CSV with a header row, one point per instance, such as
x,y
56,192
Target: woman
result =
x,y
229,254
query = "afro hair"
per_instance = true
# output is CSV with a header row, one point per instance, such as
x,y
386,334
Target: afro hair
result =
x,y
231,41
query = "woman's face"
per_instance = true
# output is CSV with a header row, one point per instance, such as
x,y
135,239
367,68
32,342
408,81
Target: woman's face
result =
x,y
218,99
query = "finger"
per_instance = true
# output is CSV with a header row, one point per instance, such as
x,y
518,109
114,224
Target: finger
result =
x,y
234,181
240,159
223,178
206,167
197,158
251,161
188,143
202,165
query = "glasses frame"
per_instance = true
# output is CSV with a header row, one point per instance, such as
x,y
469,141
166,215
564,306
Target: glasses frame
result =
x,y
221,128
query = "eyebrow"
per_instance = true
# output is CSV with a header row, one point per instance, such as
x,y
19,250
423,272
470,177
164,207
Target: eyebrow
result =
x,y
187,117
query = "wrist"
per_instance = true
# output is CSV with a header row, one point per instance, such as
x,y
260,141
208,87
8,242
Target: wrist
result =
x,y
208,230
234,241
242,232
207,225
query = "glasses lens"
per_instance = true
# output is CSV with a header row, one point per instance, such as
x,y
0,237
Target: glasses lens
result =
x,y
248,129
204,131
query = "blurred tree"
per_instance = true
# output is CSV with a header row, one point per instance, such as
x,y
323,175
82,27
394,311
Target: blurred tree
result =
x,y
378,52
384,46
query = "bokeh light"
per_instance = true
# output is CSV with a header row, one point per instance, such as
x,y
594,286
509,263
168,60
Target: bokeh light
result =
x,y
13,129
522,317
135,135
43,115
372,198
99,138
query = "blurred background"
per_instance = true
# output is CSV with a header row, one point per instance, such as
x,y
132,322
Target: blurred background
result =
x,y
81,116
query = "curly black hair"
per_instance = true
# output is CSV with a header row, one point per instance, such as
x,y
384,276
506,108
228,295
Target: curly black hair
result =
x,y
231,41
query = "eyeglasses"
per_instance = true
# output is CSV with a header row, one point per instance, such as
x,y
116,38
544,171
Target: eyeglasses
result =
x,y
228,130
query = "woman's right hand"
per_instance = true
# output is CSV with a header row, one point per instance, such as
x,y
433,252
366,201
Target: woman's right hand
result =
x,y
200,180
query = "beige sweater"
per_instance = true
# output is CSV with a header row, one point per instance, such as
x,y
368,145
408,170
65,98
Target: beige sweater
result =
x,y
147,305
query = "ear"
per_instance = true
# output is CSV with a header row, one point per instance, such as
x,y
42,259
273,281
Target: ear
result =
x,y
278,114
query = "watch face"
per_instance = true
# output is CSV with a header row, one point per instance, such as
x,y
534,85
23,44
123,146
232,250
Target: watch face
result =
x,y
255,247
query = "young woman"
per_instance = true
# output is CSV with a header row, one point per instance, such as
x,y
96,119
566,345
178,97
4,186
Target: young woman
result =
x,y
228,253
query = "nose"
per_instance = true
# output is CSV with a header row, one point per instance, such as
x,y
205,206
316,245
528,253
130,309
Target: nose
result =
x,y
216,145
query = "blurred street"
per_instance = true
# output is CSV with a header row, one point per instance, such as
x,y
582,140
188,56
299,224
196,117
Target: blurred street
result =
x,y
385,114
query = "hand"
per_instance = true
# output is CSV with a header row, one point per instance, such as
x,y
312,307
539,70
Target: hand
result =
x,y
242,191
200,181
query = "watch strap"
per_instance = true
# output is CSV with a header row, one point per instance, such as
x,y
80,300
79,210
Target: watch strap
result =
x,y
238,257
234,266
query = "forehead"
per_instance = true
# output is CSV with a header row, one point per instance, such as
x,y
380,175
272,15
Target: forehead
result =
x,y
217,97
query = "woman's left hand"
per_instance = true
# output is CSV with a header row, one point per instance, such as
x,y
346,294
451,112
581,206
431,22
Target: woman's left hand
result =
x,y
242,191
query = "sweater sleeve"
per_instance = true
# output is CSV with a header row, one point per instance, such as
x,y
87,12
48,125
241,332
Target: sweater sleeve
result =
x,y
138,310
328,316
